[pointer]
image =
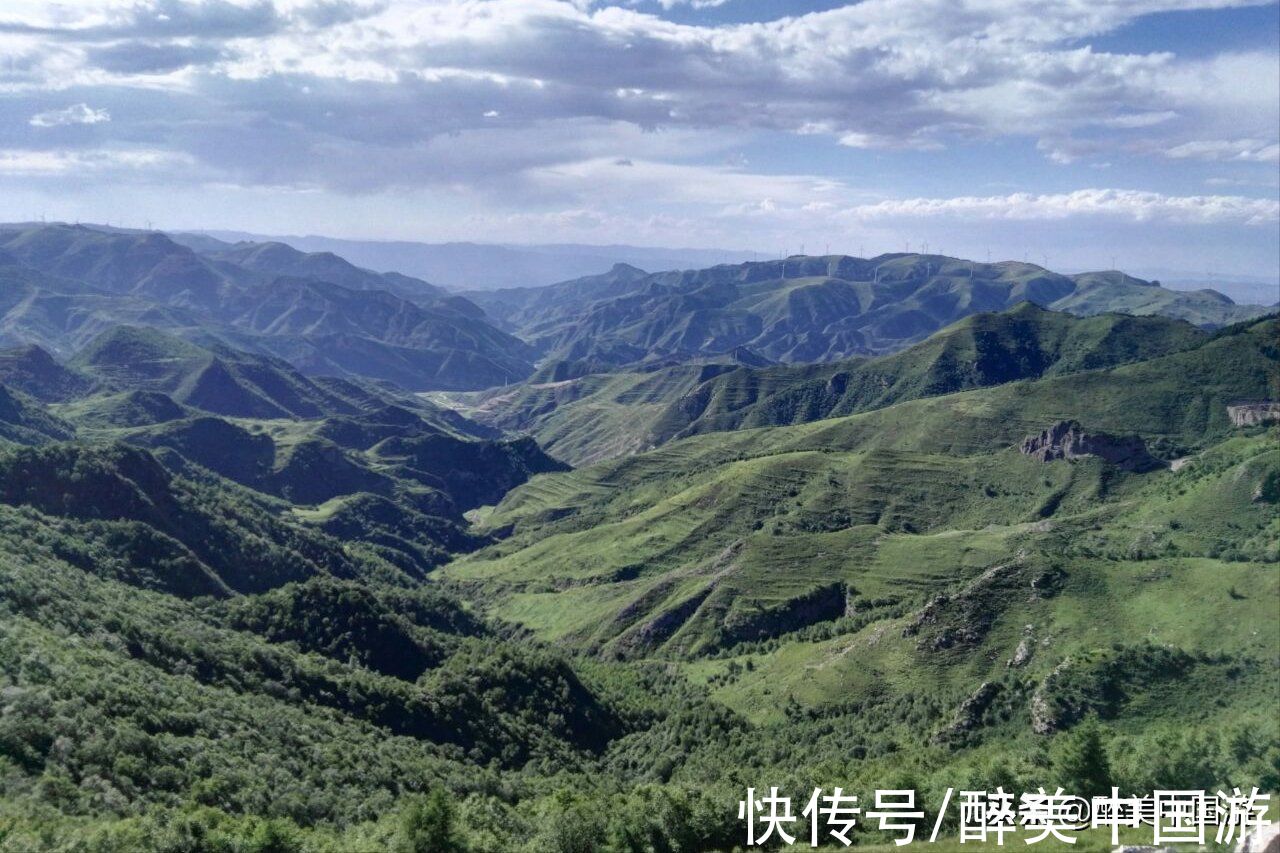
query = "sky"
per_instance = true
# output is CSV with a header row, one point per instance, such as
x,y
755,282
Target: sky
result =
x,y
1083,134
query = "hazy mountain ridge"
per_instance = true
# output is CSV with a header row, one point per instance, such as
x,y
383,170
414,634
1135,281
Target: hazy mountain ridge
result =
x,y
70,283
469,266
328,316
811,309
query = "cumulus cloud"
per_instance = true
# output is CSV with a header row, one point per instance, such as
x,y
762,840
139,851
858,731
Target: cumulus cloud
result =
x,y
525,106
75,114
878,74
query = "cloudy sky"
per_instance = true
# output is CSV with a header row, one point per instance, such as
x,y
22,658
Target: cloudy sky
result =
x,y
1068,130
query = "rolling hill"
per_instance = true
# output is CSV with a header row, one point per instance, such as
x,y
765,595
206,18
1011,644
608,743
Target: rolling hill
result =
x,y
601,415
675,518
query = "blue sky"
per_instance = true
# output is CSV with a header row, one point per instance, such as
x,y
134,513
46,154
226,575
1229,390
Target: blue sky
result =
x,y
1144,130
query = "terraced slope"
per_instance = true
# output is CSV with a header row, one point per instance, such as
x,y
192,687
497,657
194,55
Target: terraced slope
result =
x,y
717,539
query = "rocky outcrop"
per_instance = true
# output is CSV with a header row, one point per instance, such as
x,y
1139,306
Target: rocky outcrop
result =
x,y
648,635
1046,716
1026,648
963,618
971,711
1265,839
1068,440
1253,414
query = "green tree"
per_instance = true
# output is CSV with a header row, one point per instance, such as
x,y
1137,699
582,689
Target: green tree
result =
x,y
427,825
275,836
1080,764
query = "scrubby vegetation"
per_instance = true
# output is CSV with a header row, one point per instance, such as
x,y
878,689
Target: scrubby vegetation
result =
x,y
253,632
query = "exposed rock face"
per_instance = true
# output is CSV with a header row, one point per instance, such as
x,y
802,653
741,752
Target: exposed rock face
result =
x,y
1253,414
1026,648
962,619
971,711
1068,440
1263,840
1045,717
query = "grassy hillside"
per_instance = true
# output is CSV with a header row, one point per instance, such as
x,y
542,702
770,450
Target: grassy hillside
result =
x,y
722,539
587,418
600,416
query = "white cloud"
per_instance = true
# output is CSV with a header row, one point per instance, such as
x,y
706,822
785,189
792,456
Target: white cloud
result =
x,y
1244,150
75,114
602,179
519,107
1131,205
874,74
28,163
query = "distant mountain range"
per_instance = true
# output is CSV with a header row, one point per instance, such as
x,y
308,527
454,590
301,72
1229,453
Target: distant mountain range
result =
x,y
811,309
65,285
1244,289
486,266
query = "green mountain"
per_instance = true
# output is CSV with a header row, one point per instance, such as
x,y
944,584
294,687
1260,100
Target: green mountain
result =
x,y
1025,342
603,415
246,609
67,284
812,309
677,548
217,379
23,420
1100,292
107,411
588,418
60,315
275,260
34,371
146,265
171,533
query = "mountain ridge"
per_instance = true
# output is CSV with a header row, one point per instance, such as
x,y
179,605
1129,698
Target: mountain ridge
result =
x,y
72,282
